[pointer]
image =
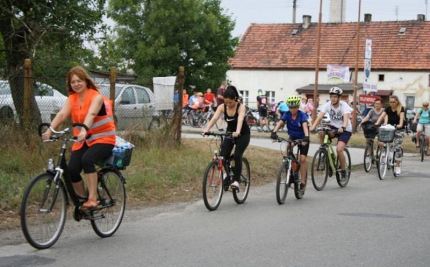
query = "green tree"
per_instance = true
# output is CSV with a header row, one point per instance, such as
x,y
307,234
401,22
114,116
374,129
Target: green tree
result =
x,y
156,37
28,25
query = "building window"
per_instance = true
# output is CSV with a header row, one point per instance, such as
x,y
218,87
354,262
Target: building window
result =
x,y
410,102
381,77
245,96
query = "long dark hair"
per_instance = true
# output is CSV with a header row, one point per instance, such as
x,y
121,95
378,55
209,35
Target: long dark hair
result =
x,y
231,93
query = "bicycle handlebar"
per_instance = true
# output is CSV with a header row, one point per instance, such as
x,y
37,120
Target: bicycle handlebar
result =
x,y
227,134
58,134
289,141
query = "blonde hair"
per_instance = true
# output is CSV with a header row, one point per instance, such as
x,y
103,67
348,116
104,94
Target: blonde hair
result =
x,y
398,106
83,75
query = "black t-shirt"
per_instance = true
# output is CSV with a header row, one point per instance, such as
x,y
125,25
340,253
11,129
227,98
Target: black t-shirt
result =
x,y
233,120
393,117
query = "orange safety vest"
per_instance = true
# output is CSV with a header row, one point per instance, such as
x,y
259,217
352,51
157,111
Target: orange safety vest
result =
x,y
103,129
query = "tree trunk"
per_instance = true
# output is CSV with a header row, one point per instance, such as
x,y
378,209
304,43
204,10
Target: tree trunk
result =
x,y
18,48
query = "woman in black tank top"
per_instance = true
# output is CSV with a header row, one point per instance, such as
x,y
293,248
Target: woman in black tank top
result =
x,y
234,114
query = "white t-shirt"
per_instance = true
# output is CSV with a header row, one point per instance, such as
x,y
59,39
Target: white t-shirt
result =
x,y
336,114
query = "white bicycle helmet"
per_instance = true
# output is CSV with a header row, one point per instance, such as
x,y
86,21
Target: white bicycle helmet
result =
x,y
335,91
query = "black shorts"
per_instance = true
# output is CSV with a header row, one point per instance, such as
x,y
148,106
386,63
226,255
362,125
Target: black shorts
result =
x,y
344,136
262,111
303,149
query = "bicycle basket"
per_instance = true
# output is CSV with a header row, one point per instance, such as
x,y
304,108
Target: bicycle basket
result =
x,y
122,153
122,157
369,130
386,135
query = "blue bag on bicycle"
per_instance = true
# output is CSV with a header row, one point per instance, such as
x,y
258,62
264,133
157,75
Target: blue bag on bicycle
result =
x,y
122,153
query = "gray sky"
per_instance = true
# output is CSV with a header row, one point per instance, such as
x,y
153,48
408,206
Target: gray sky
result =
x,y
246,12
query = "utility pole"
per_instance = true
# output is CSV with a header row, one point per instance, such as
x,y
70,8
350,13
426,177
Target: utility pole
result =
x,y
354,99
426,2
317,65
294,10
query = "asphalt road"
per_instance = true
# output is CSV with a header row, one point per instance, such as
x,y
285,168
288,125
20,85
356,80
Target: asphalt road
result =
x,y
368,223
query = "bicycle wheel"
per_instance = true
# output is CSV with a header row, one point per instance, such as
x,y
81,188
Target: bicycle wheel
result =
x,y
282,183
368,157
43,211
244,183
382,163
422,147
213,186
400,152
319,171
112,197
343,181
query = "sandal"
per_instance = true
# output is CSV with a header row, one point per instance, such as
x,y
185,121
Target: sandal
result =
x,y
90,204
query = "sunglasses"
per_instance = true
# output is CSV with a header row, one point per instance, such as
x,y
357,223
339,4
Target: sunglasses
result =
x,y
393,102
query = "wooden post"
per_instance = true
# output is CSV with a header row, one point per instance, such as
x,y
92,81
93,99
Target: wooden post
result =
x,y
354,96
28,84
177,120
317,66
112,80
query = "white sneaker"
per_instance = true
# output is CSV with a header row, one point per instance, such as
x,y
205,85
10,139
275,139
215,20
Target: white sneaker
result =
x,y
397,170
235,185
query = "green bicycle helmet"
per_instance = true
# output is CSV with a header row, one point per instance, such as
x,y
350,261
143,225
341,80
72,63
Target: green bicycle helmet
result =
x,y
293,101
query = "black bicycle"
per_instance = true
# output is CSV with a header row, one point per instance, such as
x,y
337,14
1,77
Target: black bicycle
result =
x,y
219,176
289,172
45,200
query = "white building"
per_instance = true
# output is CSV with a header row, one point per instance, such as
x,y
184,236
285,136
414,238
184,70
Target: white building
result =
x,y
280,58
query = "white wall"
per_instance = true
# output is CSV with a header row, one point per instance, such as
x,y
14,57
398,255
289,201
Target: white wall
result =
x,y
285,83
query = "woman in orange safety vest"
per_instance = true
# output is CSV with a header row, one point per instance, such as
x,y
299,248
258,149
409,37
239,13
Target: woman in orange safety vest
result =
x,y
87,106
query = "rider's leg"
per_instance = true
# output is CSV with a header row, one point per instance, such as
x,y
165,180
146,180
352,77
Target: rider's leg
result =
x,y
303,164
75,168
226,148
242,143
95,154
339,149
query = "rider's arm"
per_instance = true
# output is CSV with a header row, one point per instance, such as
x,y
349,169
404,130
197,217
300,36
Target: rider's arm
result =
x,y
241,117
305,128
386,119
346,118
402,120
417,117
62,115
280,124
317,120
215,117
365,119
94,109
381,117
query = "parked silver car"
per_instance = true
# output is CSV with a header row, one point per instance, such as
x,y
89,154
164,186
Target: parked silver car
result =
x,y
48,99
134,105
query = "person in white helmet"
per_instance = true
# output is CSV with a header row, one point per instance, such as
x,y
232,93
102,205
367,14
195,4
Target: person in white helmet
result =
x,y
340,121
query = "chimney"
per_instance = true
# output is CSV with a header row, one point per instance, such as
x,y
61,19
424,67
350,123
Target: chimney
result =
x,y
367,17
421,17
306,21
337,11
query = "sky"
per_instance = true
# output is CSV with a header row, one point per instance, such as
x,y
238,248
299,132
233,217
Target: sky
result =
x,y
245,12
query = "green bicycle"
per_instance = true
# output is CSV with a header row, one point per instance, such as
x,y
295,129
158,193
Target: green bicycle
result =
x,y
326,163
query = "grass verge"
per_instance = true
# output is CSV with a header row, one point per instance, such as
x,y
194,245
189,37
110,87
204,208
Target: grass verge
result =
x,y
160,172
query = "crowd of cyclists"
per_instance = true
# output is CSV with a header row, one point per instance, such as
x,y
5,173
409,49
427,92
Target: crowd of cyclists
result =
x,y
296,118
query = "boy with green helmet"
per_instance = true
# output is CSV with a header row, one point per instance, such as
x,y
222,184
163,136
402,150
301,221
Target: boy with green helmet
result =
x,y
297,125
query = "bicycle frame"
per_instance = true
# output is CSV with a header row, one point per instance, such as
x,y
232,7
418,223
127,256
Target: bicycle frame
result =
x,y
327,144
290,156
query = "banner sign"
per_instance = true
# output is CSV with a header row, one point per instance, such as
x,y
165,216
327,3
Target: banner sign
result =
x,y
367,99
369,87
338,72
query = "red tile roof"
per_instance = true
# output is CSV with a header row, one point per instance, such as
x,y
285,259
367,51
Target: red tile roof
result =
x,y
272,46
